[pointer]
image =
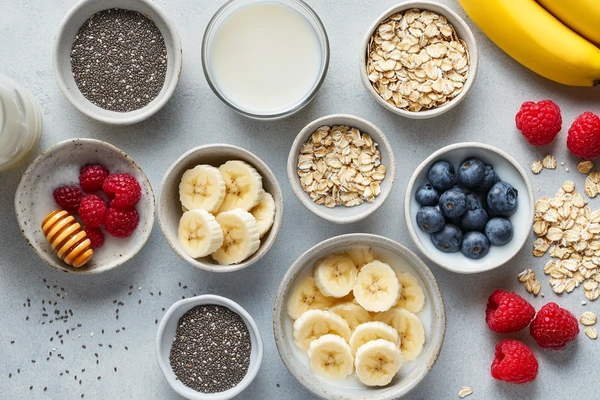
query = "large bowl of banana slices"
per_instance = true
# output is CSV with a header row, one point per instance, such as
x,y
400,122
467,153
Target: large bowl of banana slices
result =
x,y
220,207
359,317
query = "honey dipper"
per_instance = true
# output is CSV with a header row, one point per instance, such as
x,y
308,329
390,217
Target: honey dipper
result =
x,y
67,238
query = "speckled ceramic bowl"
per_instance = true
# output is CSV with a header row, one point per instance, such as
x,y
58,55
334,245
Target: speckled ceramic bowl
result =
x,y
432,316
58,166
341,214
169,205
509,170
166,333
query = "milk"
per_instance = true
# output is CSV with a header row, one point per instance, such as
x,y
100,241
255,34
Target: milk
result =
x,y
265,58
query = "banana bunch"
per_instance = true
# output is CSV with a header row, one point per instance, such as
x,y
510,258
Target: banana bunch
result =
x,y
554,38
356,313
225,212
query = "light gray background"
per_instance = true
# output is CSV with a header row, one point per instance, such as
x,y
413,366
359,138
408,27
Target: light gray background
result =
x,y
193,117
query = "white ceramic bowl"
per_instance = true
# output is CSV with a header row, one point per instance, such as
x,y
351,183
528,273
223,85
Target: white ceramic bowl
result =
x,y
59,165
170,211
509,170
462,30
166,333
433,318
61,59
341,214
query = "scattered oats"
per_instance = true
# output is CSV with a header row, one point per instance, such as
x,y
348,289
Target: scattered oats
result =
x,y
568,186
583,303
536,167
567,169
549,162
465,391
588,318
591,333
585,166
526,275
562,163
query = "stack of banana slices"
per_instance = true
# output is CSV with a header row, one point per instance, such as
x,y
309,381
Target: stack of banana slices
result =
x,y
356,312
225,212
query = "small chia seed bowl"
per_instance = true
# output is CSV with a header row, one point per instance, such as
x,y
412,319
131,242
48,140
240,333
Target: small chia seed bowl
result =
x,y
166,333
61,58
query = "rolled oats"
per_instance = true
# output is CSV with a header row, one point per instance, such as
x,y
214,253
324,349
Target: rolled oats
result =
x,y
588,318
465,391
591,332
536,167
585,166
549,162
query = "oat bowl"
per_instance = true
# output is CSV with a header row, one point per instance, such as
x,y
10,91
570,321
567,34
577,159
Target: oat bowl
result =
x,y
342,168
359,316
419,59
117,218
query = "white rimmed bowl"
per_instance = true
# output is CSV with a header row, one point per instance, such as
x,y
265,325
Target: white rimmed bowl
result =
x,y
433,317
169,206
61,60
462,30
59,165
341,214
509,170
166,333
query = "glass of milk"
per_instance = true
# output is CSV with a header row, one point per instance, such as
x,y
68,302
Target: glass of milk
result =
x,y
266,59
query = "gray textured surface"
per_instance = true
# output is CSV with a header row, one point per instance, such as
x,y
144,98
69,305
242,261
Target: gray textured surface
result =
x,y
194,116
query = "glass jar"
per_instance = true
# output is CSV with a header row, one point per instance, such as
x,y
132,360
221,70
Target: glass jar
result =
x,y
20,123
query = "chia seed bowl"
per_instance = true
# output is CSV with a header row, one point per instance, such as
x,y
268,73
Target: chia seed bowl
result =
x,y
166,334
66,78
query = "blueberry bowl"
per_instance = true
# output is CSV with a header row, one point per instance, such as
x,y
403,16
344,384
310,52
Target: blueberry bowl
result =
x,y
485,214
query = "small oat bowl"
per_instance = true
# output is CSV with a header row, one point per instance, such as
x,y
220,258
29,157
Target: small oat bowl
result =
x,y
166,333
509,170
462,31
59,165
432,317
61,58
341,214
170,208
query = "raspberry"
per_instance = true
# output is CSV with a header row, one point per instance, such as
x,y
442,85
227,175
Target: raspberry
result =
x,y
554,327
539,122
68,197
121,223
91,177
584,136
508,312
123,189
96,237
92,211
514,362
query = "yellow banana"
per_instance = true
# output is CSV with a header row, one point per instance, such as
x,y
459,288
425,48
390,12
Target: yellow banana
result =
x,y
536,39
582,16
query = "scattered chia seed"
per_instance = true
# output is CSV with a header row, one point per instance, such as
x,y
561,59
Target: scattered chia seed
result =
x,y
119,60
211,349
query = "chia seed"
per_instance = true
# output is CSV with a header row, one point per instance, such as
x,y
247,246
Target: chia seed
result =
x,y
119,60
211,349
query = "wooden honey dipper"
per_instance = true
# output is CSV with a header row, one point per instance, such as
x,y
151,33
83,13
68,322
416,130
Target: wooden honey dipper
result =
x,y
67,238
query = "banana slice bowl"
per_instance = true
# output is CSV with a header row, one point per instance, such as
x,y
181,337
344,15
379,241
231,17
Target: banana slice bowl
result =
x,y
221,214
301,285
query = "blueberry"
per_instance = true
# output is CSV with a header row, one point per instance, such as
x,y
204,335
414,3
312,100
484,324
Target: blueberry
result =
x,y
474,220
499,231
430,219
453,203
448,239
470,173
475,245
473,202
427,195
489,179
502,199
441,175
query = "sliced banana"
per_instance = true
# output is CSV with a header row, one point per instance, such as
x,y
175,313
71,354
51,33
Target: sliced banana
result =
x,y
361,255
199,233
306,296
315,323
377,362
410,330
240,237
411,295
202,187
264,212
377,288
352,313
243,186
330,357
372,331
335,275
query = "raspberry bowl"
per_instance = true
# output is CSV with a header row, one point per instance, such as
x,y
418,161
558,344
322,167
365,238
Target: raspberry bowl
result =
x,y
507,170
125,231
